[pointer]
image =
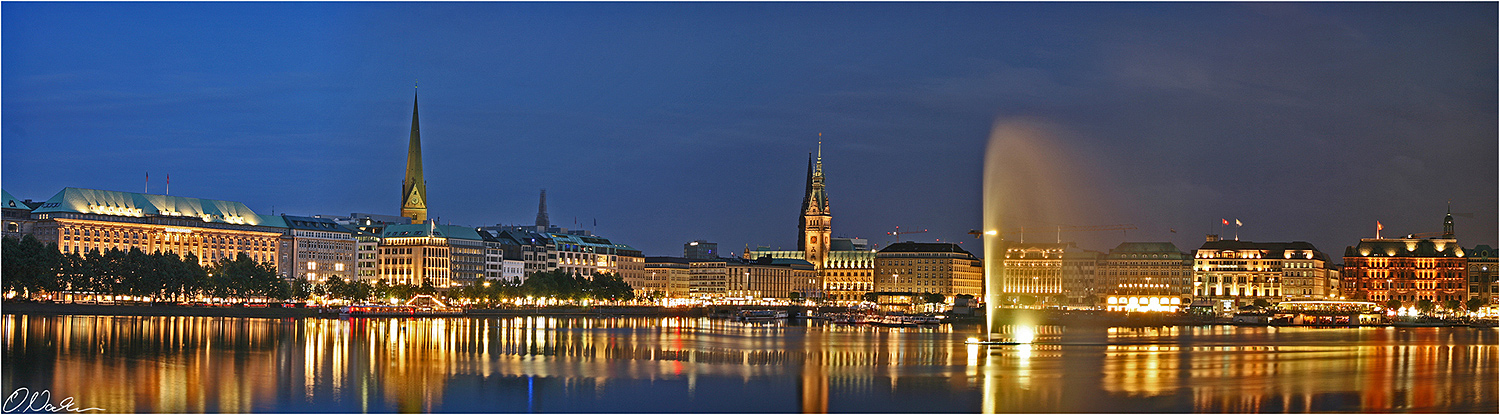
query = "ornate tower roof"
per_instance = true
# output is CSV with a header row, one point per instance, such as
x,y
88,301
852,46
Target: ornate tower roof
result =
x,y
414,187
817,199
1448,223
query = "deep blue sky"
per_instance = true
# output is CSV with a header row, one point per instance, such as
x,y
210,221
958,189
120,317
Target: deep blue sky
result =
x,y
669,122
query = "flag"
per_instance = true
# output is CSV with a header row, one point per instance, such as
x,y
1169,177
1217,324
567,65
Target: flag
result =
x,y
1378,226
1173,230
1237,223
1225,221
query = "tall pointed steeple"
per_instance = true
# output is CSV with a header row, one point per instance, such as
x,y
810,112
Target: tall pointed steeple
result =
x,y
414,187
1448,222
542,222
806,196
817,221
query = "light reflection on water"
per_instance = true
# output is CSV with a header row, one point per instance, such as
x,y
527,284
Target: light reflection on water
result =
x,y
542,364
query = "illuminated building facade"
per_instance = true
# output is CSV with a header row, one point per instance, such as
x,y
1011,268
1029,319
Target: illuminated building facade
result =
x,y
1481,274
17,213
414,186
1406,270
316,249
923,267
587,254
1145,276
708,278
443,255
1273,271
669,275
82,220
631,267
1034,270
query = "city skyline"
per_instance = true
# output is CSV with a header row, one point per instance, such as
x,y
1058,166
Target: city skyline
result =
x,y
1317,147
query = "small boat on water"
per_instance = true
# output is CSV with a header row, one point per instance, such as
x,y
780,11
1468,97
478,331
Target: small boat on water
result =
x,y
419,306
761,315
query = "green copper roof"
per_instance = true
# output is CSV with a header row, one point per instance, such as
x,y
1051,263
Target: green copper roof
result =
x,y
437,231
112,203
11,202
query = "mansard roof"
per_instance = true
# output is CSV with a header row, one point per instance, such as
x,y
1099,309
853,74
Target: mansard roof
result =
x,y
1421,248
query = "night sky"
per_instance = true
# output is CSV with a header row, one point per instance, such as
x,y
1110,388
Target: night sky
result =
x,y
670,122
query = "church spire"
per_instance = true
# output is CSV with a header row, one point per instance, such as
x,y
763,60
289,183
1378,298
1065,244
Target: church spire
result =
x,y
414,187
1448,222
816,223
542,222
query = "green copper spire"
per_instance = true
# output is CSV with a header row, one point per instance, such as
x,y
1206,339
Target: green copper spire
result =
x,y
414,187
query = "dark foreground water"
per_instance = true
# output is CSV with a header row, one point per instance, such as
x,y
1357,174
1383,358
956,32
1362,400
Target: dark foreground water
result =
x,y
540,364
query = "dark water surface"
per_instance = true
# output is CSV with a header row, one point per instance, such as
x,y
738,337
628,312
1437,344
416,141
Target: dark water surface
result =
x,y
541,364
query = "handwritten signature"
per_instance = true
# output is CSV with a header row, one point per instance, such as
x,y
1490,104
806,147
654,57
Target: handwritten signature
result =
x,y
23,399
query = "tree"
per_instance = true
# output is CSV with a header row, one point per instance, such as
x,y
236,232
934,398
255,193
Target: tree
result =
x,y
1474,304
1262,303
933,298
610,286
1060,299
1450,305
1424,305
871,297
1393,304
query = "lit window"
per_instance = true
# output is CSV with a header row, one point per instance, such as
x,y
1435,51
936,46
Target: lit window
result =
x,y
312,265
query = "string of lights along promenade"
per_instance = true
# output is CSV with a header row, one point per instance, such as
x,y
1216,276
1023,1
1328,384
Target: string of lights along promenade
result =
x,y
1041,208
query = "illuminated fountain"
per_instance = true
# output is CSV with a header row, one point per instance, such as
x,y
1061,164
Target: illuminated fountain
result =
x,y
1024,177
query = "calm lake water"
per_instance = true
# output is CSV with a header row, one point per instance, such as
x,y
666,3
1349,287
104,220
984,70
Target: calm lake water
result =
x,y
542,364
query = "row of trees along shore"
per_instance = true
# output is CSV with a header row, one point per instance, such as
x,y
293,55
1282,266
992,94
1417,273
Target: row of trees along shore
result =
x,y
31,268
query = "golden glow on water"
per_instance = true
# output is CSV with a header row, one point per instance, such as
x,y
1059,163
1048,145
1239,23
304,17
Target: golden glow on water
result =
x,y
201,364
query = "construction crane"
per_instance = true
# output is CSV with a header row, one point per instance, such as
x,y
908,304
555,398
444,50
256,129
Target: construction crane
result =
x,y
1064,228
898,233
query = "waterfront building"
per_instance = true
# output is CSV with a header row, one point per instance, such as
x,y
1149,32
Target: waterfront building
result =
x,y
1033,270
1481,274
316,249
708,278
700,249
81,220
17,215
494,254
1079,275
1145,276
414,186
631,267
366,254
1245,271
443,255
922,267
535,250
585,255
1406,270
670,275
